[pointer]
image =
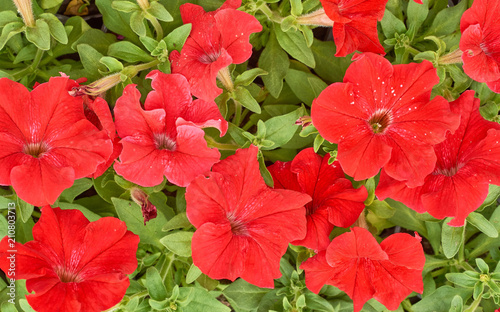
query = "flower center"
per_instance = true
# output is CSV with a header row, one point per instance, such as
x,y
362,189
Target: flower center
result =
x,y
209,58
237,227
380,120
164,142
67,276
449,172
35,149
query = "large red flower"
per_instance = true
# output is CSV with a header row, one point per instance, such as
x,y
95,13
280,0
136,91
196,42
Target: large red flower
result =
x,y
355,263
355,24
467,161
217,39
166,139
382,116
480,42
334,200
243,226
72,264
45,140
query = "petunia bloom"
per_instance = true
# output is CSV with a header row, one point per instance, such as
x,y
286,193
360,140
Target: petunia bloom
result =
x,y
467,162
480,42
243,226
354,24
46,143
72,264
166,139
382,116
217,39
334,200
97,111
355,263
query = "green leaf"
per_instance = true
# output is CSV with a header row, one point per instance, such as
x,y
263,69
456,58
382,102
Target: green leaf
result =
x,y
264,171
305,86
243,96
493,194
193,273
79,186
149,43
482,266
125,6
177,37
179,221
297,7
128,52
478,290
280,129
56,27
9,31
328,67
483,243
158,10
406,218
461,279
88,57
447,21
440,299
178,243
247,77
451,239
295,44
275,61
392,25
39,35
417,13
26,54
317,303
482,224
137,23
199,300
131,214
7,17
154,284
96,39
244,296
24,210
92,216
116,21
382,209
111,63
457,304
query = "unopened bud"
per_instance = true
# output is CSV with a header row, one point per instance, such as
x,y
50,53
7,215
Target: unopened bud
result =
x,y
24,7
102,85
141,198
316,18
304,121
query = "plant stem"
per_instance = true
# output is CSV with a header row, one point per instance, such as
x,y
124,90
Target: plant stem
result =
x,y
31,68
474,305
157,26
145,65
271,15
221,146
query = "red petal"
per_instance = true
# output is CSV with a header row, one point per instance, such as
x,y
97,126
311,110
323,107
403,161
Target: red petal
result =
x,y
398,190
359,34
318,231
405,250
203,114
102,293
61,297
344,203
318,272
235,28
283,177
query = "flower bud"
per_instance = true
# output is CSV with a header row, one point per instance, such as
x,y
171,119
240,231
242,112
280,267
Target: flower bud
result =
x,y
24,7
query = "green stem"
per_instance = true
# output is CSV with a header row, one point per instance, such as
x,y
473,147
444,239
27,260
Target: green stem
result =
x,y
412,50
237,113
474,305
31,68
145,65
271,15
157,26
466,266
221,146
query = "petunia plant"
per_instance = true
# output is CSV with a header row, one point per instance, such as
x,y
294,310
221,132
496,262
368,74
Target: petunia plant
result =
x,y
249,155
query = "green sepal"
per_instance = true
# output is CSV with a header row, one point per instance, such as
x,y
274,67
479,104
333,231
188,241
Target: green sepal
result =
x,y
39,35
158,10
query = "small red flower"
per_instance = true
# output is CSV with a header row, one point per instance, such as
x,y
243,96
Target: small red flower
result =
x,y
243,226
72,264
382,116
467,162
480,42
418,1
217,39
166,139
46,143
355,24
334,200
355,263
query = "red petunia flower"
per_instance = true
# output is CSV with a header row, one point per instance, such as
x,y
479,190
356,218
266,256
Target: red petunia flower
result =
x,y
381,116
243,226
355,263
46,143
97,111
72,264
480,42
166,139
217,39
355,24
418,1
334,200
467,162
